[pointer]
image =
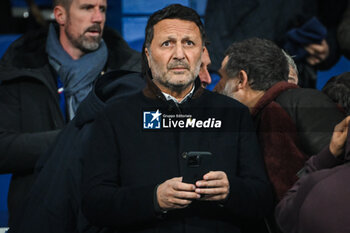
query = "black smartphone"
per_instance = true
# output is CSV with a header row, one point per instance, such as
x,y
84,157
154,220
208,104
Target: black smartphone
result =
x,y
198,163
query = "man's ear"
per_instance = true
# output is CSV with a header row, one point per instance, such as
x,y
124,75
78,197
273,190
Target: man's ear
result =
x,y
243,80
148,56
60,15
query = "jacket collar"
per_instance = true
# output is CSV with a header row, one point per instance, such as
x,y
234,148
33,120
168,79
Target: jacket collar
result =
x,y
271,94
153,92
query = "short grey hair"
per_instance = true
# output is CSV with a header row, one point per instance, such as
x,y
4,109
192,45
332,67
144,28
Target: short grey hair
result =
x,y
290,61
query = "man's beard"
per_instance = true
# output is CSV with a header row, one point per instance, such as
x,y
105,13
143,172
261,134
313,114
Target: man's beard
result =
x,y
228,89
161,77
84,43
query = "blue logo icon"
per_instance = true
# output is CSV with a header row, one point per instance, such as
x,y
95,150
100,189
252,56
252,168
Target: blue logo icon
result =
x,y
151,120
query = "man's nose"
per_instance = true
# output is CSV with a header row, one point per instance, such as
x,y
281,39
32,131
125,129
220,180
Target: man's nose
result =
x,y
204,76
179,52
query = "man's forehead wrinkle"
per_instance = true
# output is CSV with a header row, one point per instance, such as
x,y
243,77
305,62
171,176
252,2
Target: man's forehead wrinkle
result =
x,y
177,35
173,37
175,27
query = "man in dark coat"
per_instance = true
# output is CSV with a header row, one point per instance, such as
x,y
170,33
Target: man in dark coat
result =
x,y
292,123
142,145
44,76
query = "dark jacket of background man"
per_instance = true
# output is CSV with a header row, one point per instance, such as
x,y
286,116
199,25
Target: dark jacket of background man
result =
x,y
53,204
30,116
229,21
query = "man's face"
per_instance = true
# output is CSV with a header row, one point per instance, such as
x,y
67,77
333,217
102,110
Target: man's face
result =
x,y
223,77
84,24
174,55
204,75
228,85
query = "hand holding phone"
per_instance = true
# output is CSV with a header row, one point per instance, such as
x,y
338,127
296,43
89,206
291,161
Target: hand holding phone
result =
x,y
198,163
214,187
174,194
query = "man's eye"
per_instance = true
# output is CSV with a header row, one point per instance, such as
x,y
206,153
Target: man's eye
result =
x,y
87,7
166,43
189,43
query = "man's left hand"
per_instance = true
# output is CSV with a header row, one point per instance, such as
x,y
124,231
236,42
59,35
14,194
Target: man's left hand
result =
x,y
317,52
340,133
214,186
